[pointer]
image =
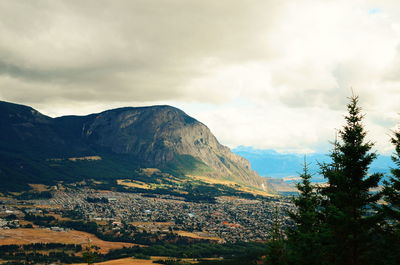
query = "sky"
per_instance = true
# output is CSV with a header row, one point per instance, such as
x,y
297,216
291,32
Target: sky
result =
x,y
271,74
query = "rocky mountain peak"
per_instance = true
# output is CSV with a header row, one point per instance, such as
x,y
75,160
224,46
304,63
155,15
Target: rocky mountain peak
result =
x,y
155,136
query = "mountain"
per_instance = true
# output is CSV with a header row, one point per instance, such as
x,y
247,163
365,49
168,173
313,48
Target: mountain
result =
x,y
119,141
270,163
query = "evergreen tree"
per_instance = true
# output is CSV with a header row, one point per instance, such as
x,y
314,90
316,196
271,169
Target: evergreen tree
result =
x,y
276,248
89,255
391,189
350,220
304,244
388,241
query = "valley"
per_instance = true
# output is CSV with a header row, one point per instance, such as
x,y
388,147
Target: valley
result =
x,y
111,220
127,182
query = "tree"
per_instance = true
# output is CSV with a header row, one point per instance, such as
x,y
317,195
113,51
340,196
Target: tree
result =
x,y
276,247
349,199
89,254
391,191
388,241
304,243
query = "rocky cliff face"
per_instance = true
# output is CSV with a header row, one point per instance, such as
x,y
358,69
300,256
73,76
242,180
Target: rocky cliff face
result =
x,y
155,136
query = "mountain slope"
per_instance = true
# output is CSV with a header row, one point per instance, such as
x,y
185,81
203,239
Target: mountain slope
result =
x,y
125,139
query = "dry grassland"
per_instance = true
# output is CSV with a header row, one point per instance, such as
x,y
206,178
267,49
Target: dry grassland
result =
x,y
197,236
23,236
39,187
38,206
131,261
133,184
231,184
150,171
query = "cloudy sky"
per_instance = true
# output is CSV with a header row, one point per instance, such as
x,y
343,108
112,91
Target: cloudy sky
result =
x,y
272,74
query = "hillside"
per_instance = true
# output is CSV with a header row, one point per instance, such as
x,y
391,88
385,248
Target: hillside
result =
x,y
35,148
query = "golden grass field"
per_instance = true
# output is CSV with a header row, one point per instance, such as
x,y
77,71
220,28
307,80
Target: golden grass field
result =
x,y
23,236
133,184
150,171
207,180
233,184
59,217
197,236
131,261
39,187
38,206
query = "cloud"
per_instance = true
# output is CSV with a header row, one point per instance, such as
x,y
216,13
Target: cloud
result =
x,y
146,50
282,67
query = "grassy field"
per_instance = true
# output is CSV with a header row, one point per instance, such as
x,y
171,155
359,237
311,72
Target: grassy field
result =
x,y
133,184
39,187
37,206
232,184
197,236
23,236
131,261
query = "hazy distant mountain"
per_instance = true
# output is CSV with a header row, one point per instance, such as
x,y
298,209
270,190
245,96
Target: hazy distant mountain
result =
x,y
122,139
270,163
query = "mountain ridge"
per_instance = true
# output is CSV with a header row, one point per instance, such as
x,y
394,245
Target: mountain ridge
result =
x,y
159,136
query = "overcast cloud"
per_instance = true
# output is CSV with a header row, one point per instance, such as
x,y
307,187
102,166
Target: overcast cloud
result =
x,y
264,73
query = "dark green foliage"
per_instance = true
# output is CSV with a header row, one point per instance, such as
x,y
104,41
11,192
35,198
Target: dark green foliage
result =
x,y
142,256
388,242
11,217
74,215
391,190
34,195
186,164
90,255
39,219
89,227
339,224
48,246
96,200
276,253
242,260
349,216
27,254
197,250
172,262
304,240
245,260
20,168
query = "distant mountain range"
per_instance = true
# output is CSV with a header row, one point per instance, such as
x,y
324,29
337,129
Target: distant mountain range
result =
x,y
270,163
35,148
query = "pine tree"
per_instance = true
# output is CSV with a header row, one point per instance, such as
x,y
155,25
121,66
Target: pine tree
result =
x,y
276,248
303,237
347,209
89,255
391,189
388,241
